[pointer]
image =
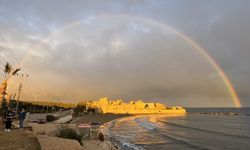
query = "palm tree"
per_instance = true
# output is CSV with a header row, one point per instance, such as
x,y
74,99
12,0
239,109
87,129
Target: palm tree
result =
x,y
7,69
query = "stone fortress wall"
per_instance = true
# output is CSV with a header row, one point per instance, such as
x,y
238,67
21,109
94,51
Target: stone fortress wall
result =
x,y
133,107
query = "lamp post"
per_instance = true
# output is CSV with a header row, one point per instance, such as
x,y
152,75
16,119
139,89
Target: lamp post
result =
x,y
3,92
20,88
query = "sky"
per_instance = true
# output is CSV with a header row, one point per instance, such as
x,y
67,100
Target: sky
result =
x,y
122,49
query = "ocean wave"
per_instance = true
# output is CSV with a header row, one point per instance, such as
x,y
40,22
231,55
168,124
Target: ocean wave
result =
x,y
121,141
145,123
180,141
123,144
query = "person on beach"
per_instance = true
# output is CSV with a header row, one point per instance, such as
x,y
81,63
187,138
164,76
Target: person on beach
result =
x,y
9,116
22,116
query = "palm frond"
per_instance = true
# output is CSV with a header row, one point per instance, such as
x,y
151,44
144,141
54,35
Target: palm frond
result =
x,y
15,71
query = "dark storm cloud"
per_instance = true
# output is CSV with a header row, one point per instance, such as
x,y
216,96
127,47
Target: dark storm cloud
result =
x,y
129,58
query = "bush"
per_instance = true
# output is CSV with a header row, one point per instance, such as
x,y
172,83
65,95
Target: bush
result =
x,y
68,133
101,137
50,118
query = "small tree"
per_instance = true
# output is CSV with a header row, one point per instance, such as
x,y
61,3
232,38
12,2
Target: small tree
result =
x,y
9,71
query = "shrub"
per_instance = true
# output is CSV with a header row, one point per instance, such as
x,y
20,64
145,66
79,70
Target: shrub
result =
x,y
50,118
101,137
68,133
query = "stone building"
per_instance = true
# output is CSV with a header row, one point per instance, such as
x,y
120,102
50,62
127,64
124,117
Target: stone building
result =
x,y
133,107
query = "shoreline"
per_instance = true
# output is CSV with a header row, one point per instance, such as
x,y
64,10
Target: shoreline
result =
x,y
44,133
116,143
47,139
105,121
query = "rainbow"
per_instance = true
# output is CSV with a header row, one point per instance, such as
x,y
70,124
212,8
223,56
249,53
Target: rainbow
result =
x,y
187,39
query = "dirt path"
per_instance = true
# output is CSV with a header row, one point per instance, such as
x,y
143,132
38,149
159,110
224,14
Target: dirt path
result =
x,y
18,139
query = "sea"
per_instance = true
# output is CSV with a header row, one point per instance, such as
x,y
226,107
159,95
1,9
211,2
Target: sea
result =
x,y
199,129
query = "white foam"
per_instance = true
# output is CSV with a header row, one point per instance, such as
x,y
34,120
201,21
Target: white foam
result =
x,y
143,122
124,143
122,140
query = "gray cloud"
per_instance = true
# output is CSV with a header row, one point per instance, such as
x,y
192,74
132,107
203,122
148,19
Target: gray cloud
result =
x,y
126,57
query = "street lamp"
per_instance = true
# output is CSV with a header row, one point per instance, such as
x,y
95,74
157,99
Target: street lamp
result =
x,y
20,88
